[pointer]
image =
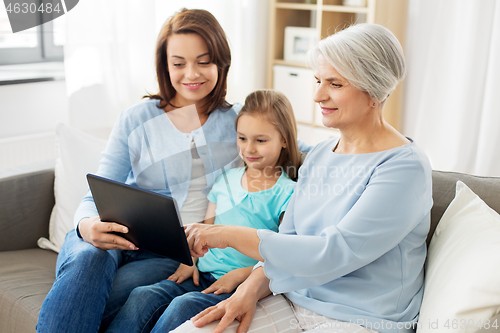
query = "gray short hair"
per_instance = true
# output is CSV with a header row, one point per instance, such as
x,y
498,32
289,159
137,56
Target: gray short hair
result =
x,y
369,56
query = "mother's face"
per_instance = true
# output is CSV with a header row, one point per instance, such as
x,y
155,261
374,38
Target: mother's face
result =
x,y
342,105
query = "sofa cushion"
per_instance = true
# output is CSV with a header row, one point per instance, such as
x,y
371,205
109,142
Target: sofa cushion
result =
x,y
461,289
26,277
443,192
78,153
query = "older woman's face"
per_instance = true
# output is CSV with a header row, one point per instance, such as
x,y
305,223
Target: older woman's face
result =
x,y
342,105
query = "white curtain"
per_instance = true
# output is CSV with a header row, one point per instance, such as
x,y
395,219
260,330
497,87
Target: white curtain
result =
x,y
109,60
450,109
109,52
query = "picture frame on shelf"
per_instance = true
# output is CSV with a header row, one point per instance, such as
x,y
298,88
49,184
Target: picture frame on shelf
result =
x,y
299,40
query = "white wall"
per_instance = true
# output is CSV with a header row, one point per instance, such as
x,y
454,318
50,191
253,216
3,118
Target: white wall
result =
x,y
29,113
32,108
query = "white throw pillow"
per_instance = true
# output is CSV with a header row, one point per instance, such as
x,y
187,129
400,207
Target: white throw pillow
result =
x,y
78,153
462,289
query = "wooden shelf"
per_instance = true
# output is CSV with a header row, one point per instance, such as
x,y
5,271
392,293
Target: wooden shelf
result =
x,y
289,63
296,6
324,8
345,9
328,16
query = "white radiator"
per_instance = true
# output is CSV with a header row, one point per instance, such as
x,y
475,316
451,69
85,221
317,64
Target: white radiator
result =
x,y
27,149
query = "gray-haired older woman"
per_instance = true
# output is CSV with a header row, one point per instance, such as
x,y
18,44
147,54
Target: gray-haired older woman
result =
x,y
350,251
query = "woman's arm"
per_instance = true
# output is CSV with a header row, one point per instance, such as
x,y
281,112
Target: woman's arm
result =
x,y
202,237
391,206
241,305
395,203
115,164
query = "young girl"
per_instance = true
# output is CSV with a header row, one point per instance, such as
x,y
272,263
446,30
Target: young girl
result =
x,y
254,196
155,147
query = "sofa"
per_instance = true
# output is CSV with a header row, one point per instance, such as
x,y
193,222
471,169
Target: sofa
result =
x,y
27,272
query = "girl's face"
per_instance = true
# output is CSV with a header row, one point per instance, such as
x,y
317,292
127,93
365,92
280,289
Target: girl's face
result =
x,y
259,142
342,105
192,73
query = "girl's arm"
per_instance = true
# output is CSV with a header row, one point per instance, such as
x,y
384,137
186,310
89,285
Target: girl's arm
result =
x,y
210,215
184,272
229,281
240,306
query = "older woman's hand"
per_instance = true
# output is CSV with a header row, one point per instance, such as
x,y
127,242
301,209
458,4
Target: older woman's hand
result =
x,y
241,306
202,237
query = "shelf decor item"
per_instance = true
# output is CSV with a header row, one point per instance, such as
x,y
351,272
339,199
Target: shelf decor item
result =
x,y
299,40
297,84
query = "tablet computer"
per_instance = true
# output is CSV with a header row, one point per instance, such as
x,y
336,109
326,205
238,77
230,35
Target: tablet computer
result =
x,y
153,219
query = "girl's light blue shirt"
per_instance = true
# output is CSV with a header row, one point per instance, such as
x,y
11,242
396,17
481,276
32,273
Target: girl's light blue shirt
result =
x,y
352,242
237,206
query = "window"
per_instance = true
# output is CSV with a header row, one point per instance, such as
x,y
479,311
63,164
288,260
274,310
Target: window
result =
x,y
38,44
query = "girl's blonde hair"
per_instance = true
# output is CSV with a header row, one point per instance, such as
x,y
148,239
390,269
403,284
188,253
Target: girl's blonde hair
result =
x,y
278,111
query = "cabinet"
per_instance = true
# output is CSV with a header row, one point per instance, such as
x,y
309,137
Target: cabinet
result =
x,y
327,16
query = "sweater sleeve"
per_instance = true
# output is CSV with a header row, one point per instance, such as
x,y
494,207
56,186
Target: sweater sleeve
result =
x,y
304,147
395,200
114,164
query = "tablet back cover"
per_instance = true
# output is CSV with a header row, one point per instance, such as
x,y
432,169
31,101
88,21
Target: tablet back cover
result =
x,y
153,219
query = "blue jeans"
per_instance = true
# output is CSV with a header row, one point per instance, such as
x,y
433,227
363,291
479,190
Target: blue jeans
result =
x,y
164,306
92,285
